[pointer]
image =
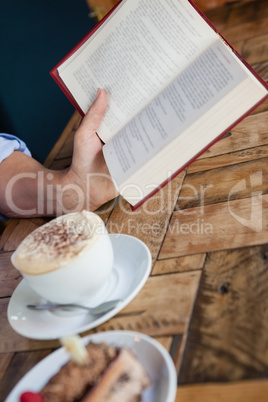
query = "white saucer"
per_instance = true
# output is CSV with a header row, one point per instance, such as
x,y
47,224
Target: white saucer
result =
x,y
132,266
151,354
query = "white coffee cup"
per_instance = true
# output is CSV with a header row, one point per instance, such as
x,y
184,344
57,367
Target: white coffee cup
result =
x,y
67,260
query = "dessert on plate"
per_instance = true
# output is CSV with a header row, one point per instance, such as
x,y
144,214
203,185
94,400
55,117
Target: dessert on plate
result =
x,y
95,373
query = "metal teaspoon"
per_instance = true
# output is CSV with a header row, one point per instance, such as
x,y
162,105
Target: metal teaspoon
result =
x,y
100,309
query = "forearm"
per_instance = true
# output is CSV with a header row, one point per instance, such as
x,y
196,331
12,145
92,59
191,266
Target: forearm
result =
x,y
28,189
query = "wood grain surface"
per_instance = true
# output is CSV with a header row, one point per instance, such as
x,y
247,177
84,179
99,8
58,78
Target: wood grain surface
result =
x,y
246,391
223,344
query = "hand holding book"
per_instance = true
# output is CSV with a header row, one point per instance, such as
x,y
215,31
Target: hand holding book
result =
x,y
174,87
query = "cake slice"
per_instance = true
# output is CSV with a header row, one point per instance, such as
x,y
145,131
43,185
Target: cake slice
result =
x,y
109,374
124,380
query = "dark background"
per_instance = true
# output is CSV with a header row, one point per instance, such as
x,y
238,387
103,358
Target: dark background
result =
x,y
35,36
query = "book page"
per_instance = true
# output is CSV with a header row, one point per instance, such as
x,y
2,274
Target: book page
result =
x,y
134,55
192,94
85,44
196,138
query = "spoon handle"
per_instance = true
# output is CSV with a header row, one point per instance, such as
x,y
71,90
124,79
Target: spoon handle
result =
x,y
102,308
105,307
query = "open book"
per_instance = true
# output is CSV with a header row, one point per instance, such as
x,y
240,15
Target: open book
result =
x,y
174,87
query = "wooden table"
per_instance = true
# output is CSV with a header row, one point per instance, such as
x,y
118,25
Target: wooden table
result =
x,y
206,300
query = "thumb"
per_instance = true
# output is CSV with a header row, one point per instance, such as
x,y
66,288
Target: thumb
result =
x,y
87,145
93,117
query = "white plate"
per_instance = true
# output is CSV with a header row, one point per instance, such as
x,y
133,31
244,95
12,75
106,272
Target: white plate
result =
x,y
151,354
132,266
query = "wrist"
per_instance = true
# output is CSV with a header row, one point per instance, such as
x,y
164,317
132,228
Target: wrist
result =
x,y
71,193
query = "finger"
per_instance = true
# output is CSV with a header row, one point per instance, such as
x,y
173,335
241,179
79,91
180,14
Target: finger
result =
x,y
93,117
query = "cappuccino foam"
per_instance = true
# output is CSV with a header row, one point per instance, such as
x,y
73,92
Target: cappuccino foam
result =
x,y
57,243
